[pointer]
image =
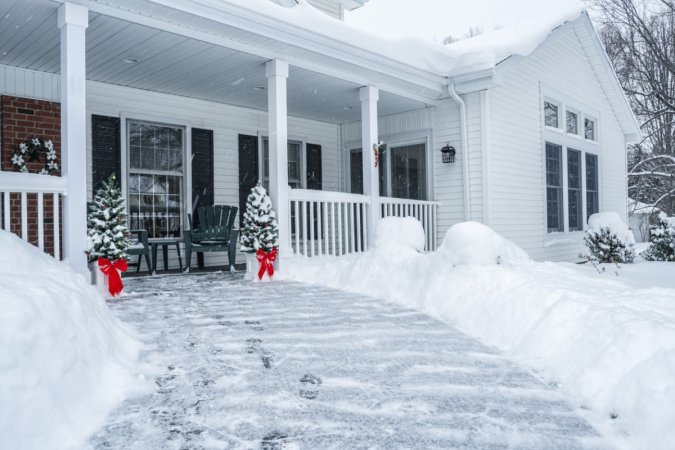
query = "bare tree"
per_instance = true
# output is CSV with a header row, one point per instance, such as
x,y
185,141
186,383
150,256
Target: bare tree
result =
x,y
473,31
639,36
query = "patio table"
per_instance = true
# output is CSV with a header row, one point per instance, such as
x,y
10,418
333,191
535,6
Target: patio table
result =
x,y
165,243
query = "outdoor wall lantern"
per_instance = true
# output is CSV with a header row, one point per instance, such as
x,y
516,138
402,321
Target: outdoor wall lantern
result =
x,y
448,153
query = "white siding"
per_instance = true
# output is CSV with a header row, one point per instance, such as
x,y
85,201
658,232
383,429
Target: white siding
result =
x,y
331,7
517,182
29,83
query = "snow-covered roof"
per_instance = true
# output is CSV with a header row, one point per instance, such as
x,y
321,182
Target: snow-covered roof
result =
x,y
638,208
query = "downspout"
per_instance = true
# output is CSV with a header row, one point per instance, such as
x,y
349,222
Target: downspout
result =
x,y
464,136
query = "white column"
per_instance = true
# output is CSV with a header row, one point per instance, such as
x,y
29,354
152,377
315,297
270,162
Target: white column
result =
x,y
369,138
277,110
73,20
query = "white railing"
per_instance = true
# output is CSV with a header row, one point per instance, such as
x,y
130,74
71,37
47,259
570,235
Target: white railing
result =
x,y
422,210
18,191
327,223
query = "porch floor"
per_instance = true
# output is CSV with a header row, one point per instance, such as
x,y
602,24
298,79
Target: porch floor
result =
x,y
287,365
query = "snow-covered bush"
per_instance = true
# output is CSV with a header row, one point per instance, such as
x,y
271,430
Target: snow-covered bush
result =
x,y
475,243
608,240
65,362
394,232
259,228
662,240
108,235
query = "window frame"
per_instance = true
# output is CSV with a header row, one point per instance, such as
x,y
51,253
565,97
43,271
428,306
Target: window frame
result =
x,y
569,141
262,137
187,161
561,114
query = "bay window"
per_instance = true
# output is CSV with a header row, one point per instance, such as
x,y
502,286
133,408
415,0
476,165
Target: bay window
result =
x,y
592,197
574,202
554,193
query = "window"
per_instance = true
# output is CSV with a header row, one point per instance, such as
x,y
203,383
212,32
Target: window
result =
x,y
408,172
551,115
572,122
355,171
155,183
589,129
574,201
295,164
592,197
554,193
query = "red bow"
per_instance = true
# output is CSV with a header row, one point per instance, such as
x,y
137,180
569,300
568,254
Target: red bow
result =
x,y
111,269
266,260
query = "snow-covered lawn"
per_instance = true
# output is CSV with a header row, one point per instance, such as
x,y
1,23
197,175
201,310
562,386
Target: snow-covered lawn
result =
x,y
608,340
278,365
65,360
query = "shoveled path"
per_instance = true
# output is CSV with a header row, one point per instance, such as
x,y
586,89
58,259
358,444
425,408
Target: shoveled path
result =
x,y
287,365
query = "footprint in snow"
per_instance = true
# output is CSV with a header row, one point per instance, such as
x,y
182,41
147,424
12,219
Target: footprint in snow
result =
x,y
274,441
310,386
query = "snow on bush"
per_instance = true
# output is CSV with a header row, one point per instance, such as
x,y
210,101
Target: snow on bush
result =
x,y
612,348
394,232
662,240
474,243
65,360
608,240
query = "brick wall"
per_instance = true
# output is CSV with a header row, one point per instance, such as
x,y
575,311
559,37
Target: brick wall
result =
x,y
21,119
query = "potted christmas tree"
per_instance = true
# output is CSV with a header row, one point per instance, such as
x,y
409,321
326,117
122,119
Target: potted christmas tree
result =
x,y
259,235
108,237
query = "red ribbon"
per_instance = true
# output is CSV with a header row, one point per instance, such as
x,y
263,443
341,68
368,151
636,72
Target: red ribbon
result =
x,y
111,268
266,260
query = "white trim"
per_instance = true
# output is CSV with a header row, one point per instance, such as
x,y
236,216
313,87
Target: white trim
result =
x,y
485,140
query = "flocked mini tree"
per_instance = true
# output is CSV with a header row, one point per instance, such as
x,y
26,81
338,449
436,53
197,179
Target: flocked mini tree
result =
x,y
259,229
662,240
108,235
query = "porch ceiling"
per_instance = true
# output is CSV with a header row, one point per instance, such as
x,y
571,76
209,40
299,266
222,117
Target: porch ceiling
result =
x,y
175,64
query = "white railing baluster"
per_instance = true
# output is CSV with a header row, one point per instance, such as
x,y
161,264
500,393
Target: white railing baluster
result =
x,y
6,224
311,228
57,228
24,216
365,228
297,227
319,228
352,229
324,239
304,228
332,227
340,229
41,221
358,226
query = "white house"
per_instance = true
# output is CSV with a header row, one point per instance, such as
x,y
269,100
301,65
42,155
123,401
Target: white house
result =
x,y
193,101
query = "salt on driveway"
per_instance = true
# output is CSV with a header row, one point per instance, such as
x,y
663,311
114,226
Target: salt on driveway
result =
x,y
288,365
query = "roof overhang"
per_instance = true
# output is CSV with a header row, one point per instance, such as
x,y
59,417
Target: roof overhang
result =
x,y
353,4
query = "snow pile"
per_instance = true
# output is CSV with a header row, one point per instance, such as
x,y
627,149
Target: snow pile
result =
x,y
470,55
611,347
66,360
614,222
474,243
397,232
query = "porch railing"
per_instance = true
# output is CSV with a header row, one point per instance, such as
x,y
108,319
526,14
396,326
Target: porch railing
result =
x,y
334,223
28,202
327,223
423,210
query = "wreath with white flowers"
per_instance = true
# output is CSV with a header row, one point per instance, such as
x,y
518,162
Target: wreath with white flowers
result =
x,y
31,150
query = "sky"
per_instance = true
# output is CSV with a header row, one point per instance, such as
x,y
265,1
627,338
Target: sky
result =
x,y
436,19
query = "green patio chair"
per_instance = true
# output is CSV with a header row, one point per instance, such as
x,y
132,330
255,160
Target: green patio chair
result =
x,y
140,249
212,232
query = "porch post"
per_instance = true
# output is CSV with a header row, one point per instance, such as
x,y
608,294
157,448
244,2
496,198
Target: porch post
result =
x,y
277,74
72,21
369,137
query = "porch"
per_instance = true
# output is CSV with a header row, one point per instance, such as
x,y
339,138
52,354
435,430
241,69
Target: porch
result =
x,y
210,93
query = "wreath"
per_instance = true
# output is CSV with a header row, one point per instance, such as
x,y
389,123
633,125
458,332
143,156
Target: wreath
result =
x,y
31,150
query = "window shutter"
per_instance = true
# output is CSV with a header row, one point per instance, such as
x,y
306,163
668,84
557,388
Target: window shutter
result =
x,y
202,170
105,149
314,169
248,170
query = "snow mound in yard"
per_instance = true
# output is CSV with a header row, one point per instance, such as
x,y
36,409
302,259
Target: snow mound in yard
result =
x,y
474,243
65,360
614,222
611,347
394,232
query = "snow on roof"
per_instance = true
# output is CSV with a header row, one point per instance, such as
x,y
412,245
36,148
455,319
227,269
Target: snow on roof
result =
x,y
470,55
638,208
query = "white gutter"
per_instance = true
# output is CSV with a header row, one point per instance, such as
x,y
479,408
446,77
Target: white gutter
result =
x,y
465,148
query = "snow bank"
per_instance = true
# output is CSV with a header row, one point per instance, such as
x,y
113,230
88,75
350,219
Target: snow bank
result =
x,y
395,232
474,243
65,361
614,222
612,348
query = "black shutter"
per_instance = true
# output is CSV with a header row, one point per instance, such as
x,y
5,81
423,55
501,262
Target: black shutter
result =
x,y
105,149
248,170
202,170
314,170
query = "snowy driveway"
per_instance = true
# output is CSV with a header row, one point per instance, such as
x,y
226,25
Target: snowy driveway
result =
x,y
287,365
